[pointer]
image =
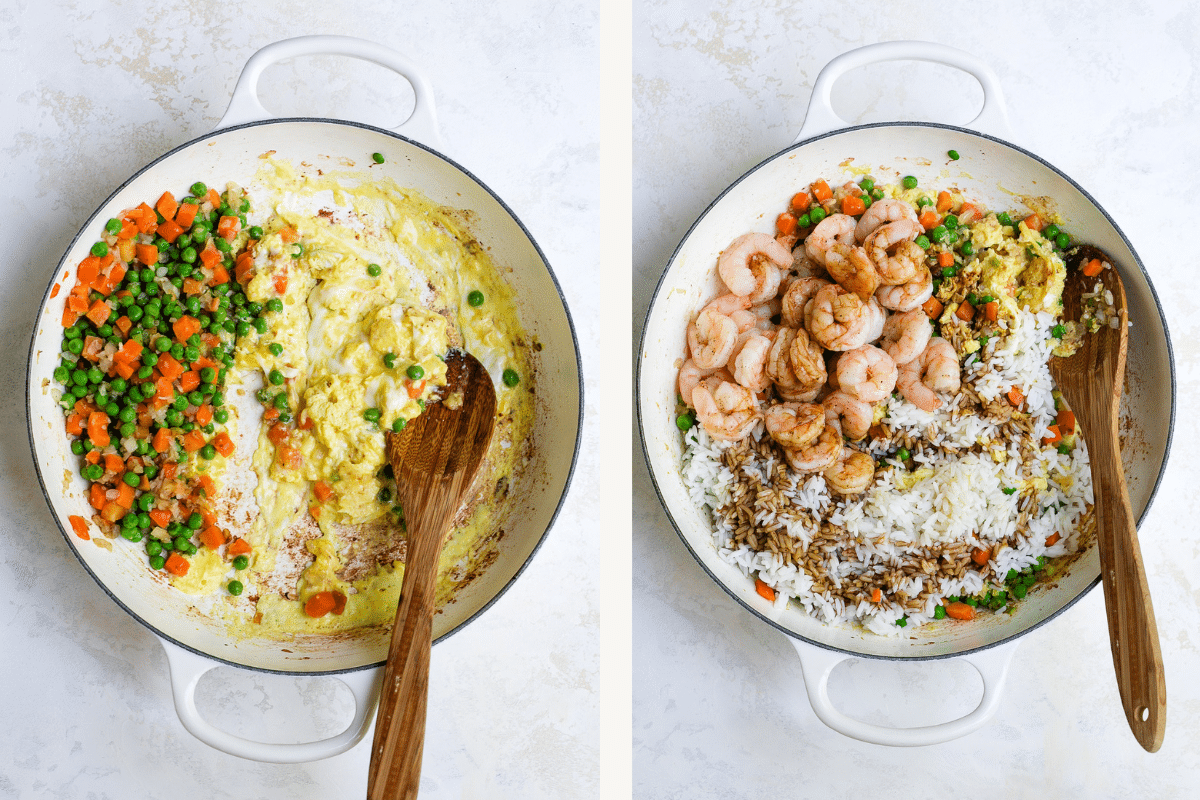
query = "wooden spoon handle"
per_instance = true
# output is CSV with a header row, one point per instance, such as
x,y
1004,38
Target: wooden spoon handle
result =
x,y
400,726
1131,626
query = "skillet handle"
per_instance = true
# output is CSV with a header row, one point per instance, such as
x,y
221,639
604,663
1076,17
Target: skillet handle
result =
x,y
186,670
817,664
821,118
244,105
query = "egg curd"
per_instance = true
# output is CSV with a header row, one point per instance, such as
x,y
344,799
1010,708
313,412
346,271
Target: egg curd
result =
x,y
377,283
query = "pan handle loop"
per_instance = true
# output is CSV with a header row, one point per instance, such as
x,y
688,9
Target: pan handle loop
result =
x,y
821,118
817,663
186,670
244,105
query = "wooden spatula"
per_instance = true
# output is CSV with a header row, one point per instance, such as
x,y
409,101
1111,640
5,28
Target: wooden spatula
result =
x,y
435,459
1091,382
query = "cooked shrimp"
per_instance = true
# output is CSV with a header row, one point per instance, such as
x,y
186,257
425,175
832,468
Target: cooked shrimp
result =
x,y
744,319
853,414
711,338
878,320
851,268
799,292
850,474
765,312
880,213
729,413
839,319
834,228
795,425
907,296
750,364
737,262
934,370
867,373
807,360
905,335
897,258
801,394
690,377
767,278
728,303
826,450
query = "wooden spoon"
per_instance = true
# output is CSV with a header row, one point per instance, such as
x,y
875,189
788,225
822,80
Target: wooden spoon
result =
x,y
435,459
1091,382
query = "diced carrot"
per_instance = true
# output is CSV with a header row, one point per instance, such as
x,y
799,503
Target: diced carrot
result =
x,y
123,325
75,424
228,227
339,603
980,555
202,362
965,311
131,350
800,201
147,254
960,611
969,212
160,517
281,282
212,537
1015,397
166,205
170,230
944,202
169,367
1052,539
991,310
83,407
207,484
99,312
319,604
186,214
89,270
270,414
238,547
414,387
161,441
220,275
821,190
128,229
876,595
210,256
193,441
929,219
124,495
223,444
764,591
69,317
1066,421
213,197
1093,268
305,422
169,470
113,511
79,525
177,565
92,347
853,205
945,259
124,369
97,426
78,302
278,434
1034,222
289,235
97,496
204,415
785,223
322,490
245,263
192,286
1055,435
147,221
189,381
163,390
113,462
185,327
55,290
93,456
290,457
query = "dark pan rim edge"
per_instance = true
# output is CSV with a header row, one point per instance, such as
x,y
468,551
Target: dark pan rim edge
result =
x,y
292,120
641,424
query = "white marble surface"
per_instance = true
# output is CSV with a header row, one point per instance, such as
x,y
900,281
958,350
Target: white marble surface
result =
x,y
93,91
1107,93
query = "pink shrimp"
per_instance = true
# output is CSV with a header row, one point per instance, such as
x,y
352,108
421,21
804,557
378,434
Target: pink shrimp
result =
x,y
737,263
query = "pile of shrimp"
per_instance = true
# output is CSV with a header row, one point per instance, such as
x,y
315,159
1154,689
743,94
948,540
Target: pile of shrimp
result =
x,y
809,341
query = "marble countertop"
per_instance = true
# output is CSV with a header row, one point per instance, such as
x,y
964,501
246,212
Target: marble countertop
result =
x,y
1106,93
92,92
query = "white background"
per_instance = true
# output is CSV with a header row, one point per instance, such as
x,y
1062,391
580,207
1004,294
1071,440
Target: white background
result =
x,y
91,92
1106,92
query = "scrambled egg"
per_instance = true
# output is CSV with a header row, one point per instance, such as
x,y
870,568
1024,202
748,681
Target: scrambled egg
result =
x,y
1020,272
374,282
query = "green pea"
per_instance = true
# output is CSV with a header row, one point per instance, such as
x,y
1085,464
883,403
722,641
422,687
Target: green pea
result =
x,y
196,398
157,562
510,378
188,255
389,360
1051,231
398,424
275,304
903,621
77,447
261,325
195,521
281,402
475,298
208,374
99,249
804,221
953,154
256,232
128,429
371,415
150,469
939,233
377,157
684,422
385,495
144,372
181,543
374,270
276,377
244,328
939,612
241,562
816,215
153,547
949,272
1019,591
75,346
923,242
62,374
198,189
950,221
191,353
1062,241
967,249
415,372
208,452
908,182
866,184
276,349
